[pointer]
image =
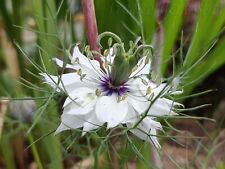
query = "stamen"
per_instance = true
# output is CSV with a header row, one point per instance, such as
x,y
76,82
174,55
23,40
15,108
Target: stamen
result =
x,y
79,72
121,98
144,82
110,41
82,76
134,69
98,92
106,52
151,97
77,61
149,90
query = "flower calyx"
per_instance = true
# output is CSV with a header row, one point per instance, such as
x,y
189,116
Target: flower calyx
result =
x,y
125,61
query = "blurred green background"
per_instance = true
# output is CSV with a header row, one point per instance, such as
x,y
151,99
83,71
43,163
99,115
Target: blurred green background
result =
x,y
189,43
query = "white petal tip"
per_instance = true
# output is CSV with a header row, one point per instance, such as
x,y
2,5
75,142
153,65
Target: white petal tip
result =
x,y
57,131
172,113
60,129
83,133
44,75
111,125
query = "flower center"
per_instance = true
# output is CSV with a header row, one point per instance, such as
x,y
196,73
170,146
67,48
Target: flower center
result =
x,y
109,88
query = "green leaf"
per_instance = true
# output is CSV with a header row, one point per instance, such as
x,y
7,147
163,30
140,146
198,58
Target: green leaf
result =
x,y
214,60
7,152
172,26
146,14
45,18
128,19
208,25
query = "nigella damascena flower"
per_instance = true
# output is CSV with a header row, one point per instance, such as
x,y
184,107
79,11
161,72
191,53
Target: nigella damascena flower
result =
x,y
117,93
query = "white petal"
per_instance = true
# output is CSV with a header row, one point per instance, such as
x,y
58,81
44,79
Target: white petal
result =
x,y
139,86
110,57
91,124
139,104
66,82
69,122
81,96
62,65
139,90
108,61
80,59
172,102
161,90
146,130
51,80
136,96
149,124
89,68
132,116
75,109
154,139
143,84
92,72
162,107
80,101
78,55
142,67
109,110
150,136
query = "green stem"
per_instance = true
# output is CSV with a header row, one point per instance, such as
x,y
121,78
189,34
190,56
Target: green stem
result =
x,y
35,152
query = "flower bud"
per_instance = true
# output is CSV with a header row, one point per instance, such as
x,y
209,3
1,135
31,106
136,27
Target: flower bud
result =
x,y
22,110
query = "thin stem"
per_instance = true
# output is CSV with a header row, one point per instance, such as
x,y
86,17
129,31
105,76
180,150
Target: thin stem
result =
x,y
141,20
113,153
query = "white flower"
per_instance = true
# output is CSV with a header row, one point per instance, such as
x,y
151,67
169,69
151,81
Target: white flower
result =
x,y
94,100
